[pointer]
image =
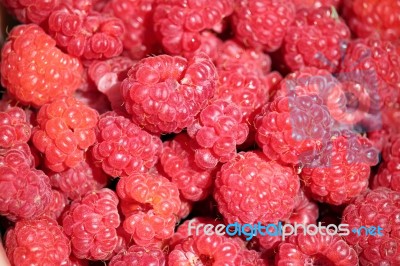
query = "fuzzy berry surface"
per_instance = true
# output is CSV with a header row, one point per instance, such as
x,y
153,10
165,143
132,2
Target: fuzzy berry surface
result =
x,y
164,93
39,241
35,11
14,127
66,129
318,38
177,162
343,169
179,24
86,34
217,131
262,24
381,207
251,189
122,147
33,70
150,203
140,256
91,224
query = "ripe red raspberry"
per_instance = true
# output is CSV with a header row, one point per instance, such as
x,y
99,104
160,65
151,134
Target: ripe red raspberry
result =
x,y
369,17
150,203
57,204
251,189
379,207
179,23
186,208
37,242
209,44
91,225
66,130
310,4
342,171
217,131
305,210
30,11
140,256
320,249
136,15
77,181
25,192
42,72
294,129
177,162
262,23
89,35
311,80
375,66
123,148
14,127
318,38
164,93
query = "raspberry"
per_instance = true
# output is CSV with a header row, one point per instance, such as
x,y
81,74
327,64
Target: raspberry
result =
x,y
57,205
66,130
90,35
311,4
379,207
179,23
177,161
94,99
37,242
342,171
76,182
369,17
42,72
375,66
318,38
140,256
25,193
251,189
294,129
186,208
262,23
217,131
14,127
150,203
311,80
123,148
91,225
209,44
321,249
30,11
305,210
136,16
163,94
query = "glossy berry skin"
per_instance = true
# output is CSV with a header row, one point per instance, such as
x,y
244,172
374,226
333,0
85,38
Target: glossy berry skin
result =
x,y
369,17
343,169
318,38
312,4
123,148
42,72
293,129
320,249
91,224
14,127
217,131
150,203
179,23
137,17
177,161
251,189
140,256
24,191
378,207
57,205
39,241
89,35
30,12
263,23
164,93
66,129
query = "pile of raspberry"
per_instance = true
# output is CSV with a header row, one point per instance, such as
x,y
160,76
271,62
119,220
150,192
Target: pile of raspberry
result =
x,y
129,128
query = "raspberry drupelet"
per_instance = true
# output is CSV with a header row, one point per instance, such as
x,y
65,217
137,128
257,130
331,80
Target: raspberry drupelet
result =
x,y
91,224
66,129
140,256
35,11
123,148
33,70
164,93
14,127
